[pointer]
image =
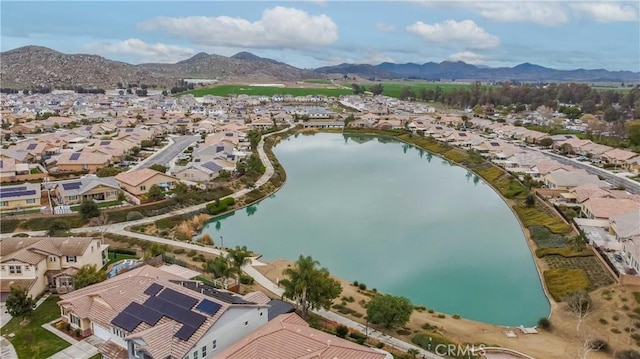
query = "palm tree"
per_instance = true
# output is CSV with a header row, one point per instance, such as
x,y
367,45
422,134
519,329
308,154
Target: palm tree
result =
x,y
219,267
301,276
237,258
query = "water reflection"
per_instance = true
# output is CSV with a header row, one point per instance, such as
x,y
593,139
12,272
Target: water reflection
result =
x,y
251,210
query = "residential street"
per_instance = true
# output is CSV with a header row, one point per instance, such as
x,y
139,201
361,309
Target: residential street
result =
x,y
631,185
170,152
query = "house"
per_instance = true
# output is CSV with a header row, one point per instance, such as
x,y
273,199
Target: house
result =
x,y
21,196
618,156
200,172
38,263
289,336
607,208
144,313
82,161
90,187
139,182
562,179
626,228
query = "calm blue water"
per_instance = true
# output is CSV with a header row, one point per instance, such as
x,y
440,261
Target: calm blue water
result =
x,y
398,219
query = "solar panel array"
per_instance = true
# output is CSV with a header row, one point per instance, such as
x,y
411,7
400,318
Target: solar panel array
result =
x,y
32,146
495,144
1,164
71,186
104,143
209,307
16,192
153,289
178,298
75,156
167,302
462,134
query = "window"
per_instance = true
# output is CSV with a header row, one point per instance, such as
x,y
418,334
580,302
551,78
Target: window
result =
x,y
27,267
31,201
73,198
204,351
52,259
75,320
195,355
143,188
118,332
2,268
15,269
64,311
215,344
71,259
4,204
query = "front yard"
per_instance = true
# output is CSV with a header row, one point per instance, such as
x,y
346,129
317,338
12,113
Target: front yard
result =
x,y
32,340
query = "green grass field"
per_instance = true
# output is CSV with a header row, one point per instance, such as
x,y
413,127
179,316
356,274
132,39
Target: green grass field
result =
x,y
391,89
225,90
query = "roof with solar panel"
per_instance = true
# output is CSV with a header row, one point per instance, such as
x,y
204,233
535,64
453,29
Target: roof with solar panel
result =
x,y
23,191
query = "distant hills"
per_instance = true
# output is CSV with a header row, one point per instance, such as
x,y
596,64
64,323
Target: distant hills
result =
x,y
32,66
448,71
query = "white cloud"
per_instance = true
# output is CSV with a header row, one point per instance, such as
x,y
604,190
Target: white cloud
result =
x,y
142,51
607,11
384,27
469,57
466,34
539,12
279,27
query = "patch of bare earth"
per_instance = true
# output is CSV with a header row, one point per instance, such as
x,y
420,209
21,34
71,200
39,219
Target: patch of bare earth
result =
x,y
561,342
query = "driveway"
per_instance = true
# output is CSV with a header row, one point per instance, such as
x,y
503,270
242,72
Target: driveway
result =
x,y
170,152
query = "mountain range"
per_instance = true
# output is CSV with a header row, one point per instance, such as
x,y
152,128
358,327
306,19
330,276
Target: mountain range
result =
x,y
33,66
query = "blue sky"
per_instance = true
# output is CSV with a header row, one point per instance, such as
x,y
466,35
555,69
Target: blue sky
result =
x,y
309,34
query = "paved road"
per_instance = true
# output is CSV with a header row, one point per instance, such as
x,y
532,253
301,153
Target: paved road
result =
x,y
170,152
631,185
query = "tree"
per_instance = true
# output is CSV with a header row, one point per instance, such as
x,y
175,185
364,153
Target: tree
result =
x,y
88,275
238,257
19,303
89,209
633,132
546,142
611,114
155,193
155,249
58,227
377,89
108,171
389,310
342,331
309,286
357,89
102,223
530,201
579,303
158,167
406,93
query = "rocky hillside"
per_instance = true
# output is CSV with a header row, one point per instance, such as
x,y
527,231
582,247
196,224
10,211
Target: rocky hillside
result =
x,y
33,66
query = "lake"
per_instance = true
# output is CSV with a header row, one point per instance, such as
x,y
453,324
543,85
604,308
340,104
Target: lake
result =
x,y
398,219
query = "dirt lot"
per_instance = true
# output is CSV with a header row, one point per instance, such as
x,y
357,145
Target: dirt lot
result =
x,y
561,342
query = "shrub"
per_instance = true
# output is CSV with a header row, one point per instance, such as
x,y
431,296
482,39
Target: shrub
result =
x,y
544,323
362,286
441,316
58,227
77,333
134,216
615,330
599,344
355,284
456,316
564,281
192,253
128,251
179,251
380,345
342,331
566,252
9,225
67,327
246,279
430,311
403,332
628,354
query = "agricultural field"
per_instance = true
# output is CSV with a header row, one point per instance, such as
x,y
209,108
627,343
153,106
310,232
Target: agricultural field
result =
x,y
225,90
392,89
